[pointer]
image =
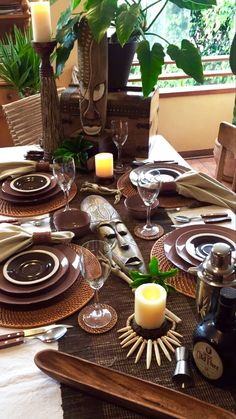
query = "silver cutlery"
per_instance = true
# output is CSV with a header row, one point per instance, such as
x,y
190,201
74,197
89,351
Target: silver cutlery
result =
x,y
37,220
140,162
44,333
203,217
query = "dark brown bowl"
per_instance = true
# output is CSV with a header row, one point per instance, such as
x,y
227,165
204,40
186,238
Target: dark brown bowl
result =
x,y
73,220
137,209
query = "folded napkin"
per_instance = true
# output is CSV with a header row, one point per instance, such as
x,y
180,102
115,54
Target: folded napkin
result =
x,y
19,168
14,239
204,188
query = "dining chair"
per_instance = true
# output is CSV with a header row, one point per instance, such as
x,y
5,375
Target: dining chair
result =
x,y
24,119
227,141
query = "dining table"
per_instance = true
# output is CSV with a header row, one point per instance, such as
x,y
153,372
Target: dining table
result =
x,y
27,391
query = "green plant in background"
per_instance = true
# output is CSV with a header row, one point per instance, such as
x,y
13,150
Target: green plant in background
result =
x,y
77,148
232,63
19,63
153,276
129,18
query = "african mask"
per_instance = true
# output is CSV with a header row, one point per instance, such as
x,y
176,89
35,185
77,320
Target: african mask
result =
x,y
93,59
106,222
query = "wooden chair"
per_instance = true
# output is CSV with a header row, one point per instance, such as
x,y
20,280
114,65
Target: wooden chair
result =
x,y
24,119
227,140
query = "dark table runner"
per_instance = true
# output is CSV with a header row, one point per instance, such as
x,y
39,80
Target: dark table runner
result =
x,y
105,349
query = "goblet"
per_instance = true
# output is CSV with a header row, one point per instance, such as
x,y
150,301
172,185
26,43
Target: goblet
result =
x,y
64,172
96,315
149,184
119,130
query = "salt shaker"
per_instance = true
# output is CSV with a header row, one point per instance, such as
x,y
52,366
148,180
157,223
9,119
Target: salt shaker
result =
x,y
215,272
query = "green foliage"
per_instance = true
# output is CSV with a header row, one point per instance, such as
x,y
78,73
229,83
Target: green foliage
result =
x,y
153,276
19,63
77,148
131,18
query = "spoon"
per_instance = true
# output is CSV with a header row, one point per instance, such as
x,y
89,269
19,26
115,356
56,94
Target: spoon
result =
x,y
49,336
185,219
206,218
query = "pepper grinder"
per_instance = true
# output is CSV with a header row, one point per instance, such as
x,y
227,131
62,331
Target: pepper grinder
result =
x,y
182,375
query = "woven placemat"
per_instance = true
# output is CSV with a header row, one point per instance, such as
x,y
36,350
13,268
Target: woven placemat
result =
x,y
183,282
100,330
139,234
165,201
7,208
73,300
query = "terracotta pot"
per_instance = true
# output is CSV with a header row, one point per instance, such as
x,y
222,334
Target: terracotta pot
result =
x,y
230,164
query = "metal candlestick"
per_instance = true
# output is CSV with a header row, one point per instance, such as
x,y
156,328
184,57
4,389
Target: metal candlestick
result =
x,y
52,132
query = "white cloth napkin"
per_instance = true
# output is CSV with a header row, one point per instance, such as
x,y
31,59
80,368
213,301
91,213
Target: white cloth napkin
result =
x,y
17,168
206,189
14,238
25,391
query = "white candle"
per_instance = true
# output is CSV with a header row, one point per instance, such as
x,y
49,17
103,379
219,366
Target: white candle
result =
x,y
104,165
149,306
41,21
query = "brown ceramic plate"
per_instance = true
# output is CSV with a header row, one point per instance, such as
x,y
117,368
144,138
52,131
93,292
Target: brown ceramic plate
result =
x,y
23,290
171,238
6,188
167,174
30,200
31,267
61,286
30,183
199,245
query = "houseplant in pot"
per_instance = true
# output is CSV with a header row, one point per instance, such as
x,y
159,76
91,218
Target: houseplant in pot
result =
x,y
129,19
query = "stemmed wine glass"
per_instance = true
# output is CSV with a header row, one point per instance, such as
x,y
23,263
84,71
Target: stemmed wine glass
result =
x,y
95,268
64,172
119,130
149,184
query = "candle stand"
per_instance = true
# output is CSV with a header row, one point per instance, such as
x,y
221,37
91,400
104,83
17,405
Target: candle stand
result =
x,y
104,181
165,338
52,133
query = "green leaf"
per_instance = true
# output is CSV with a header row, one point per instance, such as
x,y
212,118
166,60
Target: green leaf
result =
x,y
126,23
194,5
188,59
151,62
153,266
99,14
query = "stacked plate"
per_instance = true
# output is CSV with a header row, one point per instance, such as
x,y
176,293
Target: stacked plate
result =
x,y
189,245
30,189
38,275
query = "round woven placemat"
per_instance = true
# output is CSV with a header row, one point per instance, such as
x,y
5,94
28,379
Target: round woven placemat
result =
x,y
100,330
165,201
73,300
183,282
7,208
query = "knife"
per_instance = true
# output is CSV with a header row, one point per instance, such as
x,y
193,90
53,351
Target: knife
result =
x,y
16,338
141,396
140,162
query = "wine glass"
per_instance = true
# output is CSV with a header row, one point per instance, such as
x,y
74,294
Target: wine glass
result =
x,y
149,184
95,272
64,172
119,130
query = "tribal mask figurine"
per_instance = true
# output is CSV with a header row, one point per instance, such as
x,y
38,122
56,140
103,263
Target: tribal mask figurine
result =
x,y
106,221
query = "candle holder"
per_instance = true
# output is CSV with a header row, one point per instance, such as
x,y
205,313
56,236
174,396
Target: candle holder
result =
x,y
104,180
165,338
52,133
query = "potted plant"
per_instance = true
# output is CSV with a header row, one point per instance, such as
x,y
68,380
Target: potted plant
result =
x,y
128,19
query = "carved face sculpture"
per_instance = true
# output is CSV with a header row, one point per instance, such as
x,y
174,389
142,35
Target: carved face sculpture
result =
x,y
106,222
92,80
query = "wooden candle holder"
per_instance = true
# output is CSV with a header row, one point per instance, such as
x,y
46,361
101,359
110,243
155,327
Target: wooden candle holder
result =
x,y
165,338
52,133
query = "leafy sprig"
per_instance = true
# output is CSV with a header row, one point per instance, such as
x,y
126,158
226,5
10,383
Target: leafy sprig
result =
x,y
153,276
77,148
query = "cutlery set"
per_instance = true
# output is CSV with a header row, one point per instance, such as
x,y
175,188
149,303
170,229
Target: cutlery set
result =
x,y
206,218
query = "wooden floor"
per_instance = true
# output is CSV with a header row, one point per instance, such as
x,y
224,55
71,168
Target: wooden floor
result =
x,y
204,164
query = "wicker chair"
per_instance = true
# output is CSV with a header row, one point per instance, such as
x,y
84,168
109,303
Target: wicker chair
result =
x,y
24,119
227,141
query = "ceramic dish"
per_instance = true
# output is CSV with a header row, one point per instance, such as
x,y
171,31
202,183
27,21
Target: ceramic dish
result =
x,y
22,290
167,174
22,200
31,267
199,245
137,209
6,188
30,183
73,220
189,231
60,287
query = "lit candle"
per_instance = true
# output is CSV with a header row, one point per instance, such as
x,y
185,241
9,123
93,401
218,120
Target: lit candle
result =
x,y
104,165
149,306
41,21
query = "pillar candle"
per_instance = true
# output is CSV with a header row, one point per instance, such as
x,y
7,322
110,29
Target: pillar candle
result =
x,y
41,21
104,165
149,306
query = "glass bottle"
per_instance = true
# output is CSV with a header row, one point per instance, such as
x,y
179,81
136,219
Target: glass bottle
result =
x,y
214,340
